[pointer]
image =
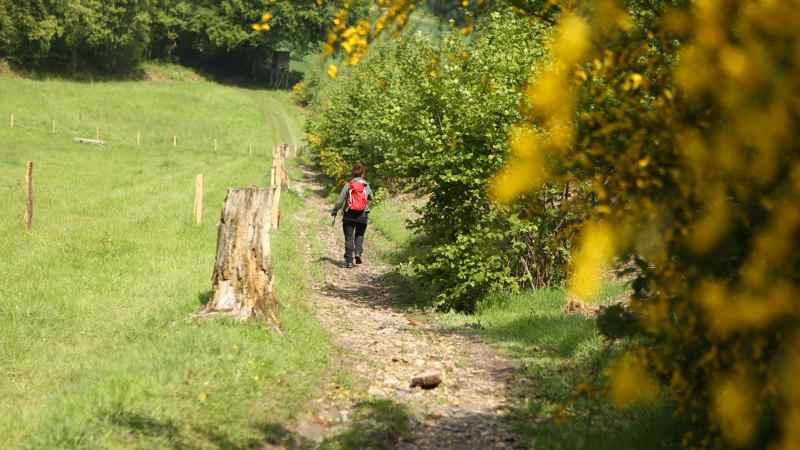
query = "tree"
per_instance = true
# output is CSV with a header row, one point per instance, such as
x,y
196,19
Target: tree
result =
x,y
27,30
102,35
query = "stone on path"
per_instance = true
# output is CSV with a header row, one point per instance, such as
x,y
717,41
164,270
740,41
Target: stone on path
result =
x,y
427,380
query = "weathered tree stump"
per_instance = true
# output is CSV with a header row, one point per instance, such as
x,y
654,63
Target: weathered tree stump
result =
x,y
578,307
243,279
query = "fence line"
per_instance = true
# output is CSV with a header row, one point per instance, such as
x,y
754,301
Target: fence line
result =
x,y
73,131
279,180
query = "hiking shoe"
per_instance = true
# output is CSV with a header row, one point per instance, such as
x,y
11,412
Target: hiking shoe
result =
x,y
358,260
348,265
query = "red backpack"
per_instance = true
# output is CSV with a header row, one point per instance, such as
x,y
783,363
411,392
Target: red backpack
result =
x,y
357,199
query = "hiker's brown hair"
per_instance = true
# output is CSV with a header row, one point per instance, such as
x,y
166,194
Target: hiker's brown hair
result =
x,y
358,170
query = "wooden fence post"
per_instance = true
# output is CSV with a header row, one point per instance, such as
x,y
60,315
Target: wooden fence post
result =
x,y
277,178
98,133
215,145
198,200
138,138
29,195
174,141
276,204
12,121
274,172
284,173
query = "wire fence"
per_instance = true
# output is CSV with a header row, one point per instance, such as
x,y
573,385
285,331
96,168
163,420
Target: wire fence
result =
x,y
81,130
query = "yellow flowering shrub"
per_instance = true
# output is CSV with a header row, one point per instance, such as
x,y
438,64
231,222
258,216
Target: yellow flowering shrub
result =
x,y
683,119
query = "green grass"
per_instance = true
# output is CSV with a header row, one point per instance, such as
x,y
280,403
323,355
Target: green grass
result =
x,y
96,346
557,352
390,218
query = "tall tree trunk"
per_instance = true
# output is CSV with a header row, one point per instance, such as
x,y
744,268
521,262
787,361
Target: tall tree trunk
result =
x,y
243,278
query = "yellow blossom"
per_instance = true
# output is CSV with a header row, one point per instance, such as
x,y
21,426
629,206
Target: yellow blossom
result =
x,y
595,251
630,382
512,181
734,409
572,40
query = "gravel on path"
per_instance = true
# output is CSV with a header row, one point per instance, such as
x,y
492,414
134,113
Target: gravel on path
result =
x,y
383,348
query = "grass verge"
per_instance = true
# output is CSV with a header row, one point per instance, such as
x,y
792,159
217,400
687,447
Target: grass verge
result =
x,y
96,346
556,354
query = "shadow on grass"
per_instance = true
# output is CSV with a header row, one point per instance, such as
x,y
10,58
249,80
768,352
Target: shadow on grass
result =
x,y
210,71
176,436
557,353
139,424
377,425
558,336
82,75
204,297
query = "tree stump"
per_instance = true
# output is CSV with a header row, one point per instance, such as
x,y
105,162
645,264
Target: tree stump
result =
x,y
243,278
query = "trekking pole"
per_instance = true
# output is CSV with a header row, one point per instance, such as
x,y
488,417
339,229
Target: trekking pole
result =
x,y
334,220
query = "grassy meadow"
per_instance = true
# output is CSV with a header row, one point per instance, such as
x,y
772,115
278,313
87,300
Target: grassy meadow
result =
x,y
97,349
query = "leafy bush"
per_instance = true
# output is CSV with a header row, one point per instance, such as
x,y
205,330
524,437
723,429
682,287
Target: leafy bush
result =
x,y
434,120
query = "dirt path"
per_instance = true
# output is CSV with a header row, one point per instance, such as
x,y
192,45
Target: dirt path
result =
x,y
383,349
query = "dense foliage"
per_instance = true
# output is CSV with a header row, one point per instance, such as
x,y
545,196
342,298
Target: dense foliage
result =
x,y
116,35
67,32
680,117
434,119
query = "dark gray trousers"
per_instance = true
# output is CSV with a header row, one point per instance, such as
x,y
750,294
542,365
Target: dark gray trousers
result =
x,y
353,239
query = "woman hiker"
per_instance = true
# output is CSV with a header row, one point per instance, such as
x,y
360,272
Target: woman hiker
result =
x,y
354,198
